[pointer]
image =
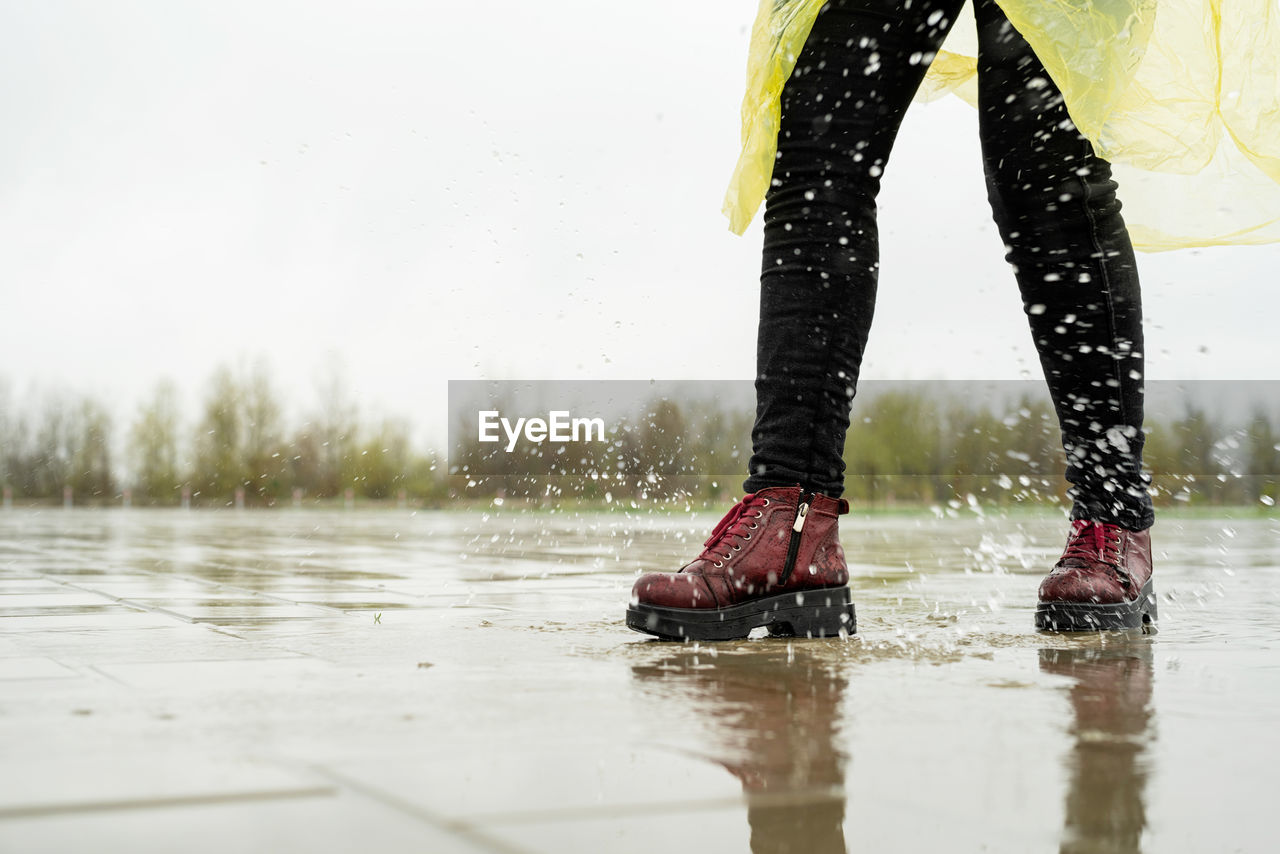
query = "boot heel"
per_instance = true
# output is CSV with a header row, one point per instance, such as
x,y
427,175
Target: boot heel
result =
x,y
813,614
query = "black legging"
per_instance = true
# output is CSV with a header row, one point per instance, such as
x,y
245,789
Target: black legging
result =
x,y
1054,203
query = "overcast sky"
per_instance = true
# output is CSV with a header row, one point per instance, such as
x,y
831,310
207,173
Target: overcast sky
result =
x,y
434,191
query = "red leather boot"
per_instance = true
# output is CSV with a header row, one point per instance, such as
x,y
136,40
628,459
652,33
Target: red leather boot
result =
x,y
774,560
1103,581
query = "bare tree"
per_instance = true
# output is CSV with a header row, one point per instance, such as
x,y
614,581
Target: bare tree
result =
x,y
91,472
51,448
8,434
382,465
265,468
153,447
324,450
219,440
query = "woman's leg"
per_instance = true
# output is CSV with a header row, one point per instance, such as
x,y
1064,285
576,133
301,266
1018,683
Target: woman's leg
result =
x,y
1056,208
841,111
775,559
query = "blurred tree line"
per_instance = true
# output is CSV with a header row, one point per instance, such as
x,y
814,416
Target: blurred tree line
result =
x,y
239,450
905,447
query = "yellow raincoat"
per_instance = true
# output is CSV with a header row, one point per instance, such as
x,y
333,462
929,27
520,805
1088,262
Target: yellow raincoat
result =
x,y
1182,96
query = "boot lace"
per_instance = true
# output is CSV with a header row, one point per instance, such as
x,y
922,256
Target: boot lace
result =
x,y
737,524
1094,542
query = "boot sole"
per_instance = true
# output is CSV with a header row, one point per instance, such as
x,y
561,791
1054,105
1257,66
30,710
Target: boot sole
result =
x,y
1090,617
825,613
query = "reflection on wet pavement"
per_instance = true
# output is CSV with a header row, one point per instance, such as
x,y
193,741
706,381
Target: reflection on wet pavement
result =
x,y
1112,726
776,715
455,681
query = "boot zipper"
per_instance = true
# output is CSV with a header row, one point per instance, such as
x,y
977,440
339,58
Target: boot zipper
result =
x,y
794,547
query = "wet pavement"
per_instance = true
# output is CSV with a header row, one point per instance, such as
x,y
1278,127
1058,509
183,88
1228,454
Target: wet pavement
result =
x,y
463,682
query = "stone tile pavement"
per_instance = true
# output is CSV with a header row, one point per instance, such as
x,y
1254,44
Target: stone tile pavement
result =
x,y
328,681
